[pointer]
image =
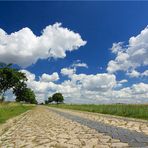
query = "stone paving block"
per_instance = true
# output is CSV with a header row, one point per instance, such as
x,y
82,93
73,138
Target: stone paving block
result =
x,y
41,128
125,135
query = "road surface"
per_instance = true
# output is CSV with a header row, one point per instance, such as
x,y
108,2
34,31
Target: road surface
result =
x,y
58,128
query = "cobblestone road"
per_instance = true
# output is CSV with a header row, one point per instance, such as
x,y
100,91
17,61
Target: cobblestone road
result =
x,y
43,127
126,123
133,138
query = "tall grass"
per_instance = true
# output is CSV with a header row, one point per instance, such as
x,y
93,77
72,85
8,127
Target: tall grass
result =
x,y
127,110
9,110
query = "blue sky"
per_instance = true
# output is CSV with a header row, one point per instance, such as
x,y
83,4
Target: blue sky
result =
x,y
100,24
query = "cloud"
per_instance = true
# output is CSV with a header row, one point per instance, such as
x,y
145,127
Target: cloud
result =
x,y
78,63
145,73
136,74
123,81
98,82
140,88
130,56
68,71
92,88
47,78
133,74
79,85
136,93
120,83
117,47
24,48
42,87
30,76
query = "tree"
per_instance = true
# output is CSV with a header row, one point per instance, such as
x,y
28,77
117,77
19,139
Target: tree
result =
x,y
5,79
58,98
25,94
19,91
46,101
9,78
50,99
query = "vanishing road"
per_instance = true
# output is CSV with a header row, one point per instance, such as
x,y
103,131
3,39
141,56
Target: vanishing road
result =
x,y
59,128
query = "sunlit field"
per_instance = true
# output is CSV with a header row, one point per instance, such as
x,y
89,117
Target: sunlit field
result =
x,y
9,110
127,110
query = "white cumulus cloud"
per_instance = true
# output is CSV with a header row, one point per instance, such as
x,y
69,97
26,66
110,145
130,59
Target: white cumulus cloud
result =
x,y
98,82
83,88
133,73
68,71
24,48
145,73
47,78
130,56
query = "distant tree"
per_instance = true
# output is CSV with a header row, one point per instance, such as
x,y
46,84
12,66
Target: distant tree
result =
x,y
46,101
58,98
50,99
25,94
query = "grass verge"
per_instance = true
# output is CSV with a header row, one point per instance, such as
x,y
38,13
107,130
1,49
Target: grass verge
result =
x,y
9,110
139,111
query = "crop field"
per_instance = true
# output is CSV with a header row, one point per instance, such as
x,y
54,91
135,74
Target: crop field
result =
x,y
9,110
127,110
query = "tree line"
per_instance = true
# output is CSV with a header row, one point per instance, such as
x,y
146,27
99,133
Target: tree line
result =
x,y
12,78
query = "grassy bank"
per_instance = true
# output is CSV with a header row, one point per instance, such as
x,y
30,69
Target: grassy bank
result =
x,y
131,110
9,110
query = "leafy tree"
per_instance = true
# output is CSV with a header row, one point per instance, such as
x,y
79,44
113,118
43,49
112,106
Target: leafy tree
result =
x,y
46,101
9,78
25,94
5,77
50,99
19,91
58,98
12,78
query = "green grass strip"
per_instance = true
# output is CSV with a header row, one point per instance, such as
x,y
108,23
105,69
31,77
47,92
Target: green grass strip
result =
x,y
139,111
9,110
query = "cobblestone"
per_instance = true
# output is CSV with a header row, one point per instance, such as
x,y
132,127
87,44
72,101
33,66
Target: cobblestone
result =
x,y
42,127
133,138
127,123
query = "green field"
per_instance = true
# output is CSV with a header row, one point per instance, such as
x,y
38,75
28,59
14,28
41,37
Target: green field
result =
x,y
127,110
9,110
